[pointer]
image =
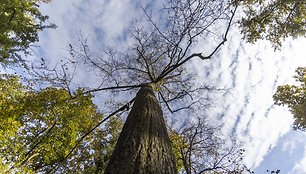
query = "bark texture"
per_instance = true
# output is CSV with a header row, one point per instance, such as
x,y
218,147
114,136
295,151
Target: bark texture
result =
x,y
143,146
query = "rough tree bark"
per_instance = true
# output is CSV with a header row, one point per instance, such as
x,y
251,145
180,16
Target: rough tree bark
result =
x,y
143,145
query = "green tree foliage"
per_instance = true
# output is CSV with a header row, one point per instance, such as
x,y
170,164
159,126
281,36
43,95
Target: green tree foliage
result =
x,y
273,20
294,96
39,129
104,143
20,22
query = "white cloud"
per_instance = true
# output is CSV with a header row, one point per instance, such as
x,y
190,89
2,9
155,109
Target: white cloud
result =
x,y
253,72
300,167
287,154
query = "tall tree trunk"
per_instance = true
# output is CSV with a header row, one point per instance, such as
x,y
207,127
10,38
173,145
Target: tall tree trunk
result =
x,y
143,146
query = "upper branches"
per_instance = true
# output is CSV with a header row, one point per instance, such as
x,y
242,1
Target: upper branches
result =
x,y
159,54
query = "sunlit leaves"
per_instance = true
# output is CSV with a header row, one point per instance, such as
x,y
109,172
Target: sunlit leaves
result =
x,y
177,142
39,128
20,22
58,121
10,94
294,96
273,20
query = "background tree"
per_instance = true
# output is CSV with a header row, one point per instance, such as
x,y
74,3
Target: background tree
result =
x,y
199,148
273,20
39,128
20,22
294,97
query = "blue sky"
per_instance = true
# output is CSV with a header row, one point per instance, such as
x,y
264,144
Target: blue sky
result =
x,y
250,72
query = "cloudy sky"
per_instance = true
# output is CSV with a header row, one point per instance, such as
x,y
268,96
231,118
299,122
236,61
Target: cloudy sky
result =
x,y
251,72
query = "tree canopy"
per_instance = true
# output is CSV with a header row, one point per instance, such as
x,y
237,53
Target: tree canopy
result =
x,y
21,21
294,97
273,20
199,149
39,129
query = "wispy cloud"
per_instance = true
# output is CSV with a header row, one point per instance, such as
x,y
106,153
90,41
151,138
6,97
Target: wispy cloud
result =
x,y
252,72
300,167
288,155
